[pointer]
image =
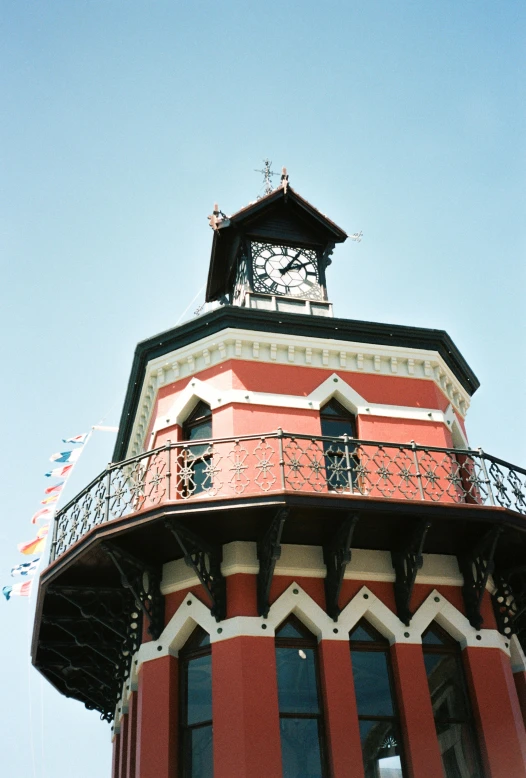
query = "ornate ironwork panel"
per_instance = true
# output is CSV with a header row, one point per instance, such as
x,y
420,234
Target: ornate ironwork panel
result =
x,y
259,464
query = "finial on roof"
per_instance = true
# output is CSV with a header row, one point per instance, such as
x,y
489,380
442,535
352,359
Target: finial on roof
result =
x,y
284,179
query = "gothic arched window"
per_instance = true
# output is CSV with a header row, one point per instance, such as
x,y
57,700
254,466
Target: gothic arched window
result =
x,y
340,457
195,707
376,703
196,459
451,706
300,708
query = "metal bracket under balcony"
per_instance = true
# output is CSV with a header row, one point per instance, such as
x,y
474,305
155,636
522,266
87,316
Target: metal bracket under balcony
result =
x,y
205,560
407,562
476,567
88,638
268,552
337,555
144,582
509,602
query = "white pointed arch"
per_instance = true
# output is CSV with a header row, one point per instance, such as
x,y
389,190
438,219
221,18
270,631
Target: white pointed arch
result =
x,y
295,601
366,605
335,387
185,402
437,608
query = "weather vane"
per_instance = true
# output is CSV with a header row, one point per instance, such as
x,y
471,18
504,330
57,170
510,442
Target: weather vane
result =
x,y
267,175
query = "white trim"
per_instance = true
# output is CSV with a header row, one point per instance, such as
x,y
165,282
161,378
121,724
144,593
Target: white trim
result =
x,y
348,356
294,600
196,390
436,608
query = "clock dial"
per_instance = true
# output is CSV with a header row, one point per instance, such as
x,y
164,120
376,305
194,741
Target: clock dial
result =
x,y
286,270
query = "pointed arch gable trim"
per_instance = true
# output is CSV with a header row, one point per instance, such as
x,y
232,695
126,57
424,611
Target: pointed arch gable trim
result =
x,y
436,608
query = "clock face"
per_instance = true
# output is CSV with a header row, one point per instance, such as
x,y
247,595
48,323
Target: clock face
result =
x,y
286,270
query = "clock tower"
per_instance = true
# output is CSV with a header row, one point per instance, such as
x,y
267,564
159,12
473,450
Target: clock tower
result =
x,y
273,255
295,566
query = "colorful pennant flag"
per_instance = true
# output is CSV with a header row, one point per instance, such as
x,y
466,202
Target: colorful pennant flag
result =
x,y
66,456
54,489
35,546
46,514
49,500
22,589
77,438
26,568
60,472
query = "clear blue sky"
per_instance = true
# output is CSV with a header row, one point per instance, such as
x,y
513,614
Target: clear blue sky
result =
x,y
122,123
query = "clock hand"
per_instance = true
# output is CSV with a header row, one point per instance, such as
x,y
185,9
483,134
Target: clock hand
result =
x,y
283,270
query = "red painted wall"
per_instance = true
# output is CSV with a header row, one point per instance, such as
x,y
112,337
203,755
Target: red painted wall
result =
x,y
341,717
157,719
497,712
245,709
294,380
421,748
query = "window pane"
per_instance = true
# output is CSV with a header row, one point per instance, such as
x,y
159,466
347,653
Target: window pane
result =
x,y
297,680
362,634
333,428
446,686
371,683
300,748
200,763
199,679
289,630
458,754
381,750
200,431
433,638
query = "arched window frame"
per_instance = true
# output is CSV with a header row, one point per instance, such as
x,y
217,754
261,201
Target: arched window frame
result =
x,y
195,459
341,459
303,642
449,647
377,644
196,647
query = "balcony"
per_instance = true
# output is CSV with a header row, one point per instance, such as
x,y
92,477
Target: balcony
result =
x,y
283,463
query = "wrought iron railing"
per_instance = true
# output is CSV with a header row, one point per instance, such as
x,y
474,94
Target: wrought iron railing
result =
x,y
280,461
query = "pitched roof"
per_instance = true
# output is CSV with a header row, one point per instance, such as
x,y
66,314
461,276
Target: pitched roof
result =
x,y
284,213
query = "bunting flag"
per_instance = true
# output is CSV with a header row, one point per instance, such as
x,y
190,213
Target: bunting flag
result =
x,y
35,546
46,514
54,489
77,439
60,472
26,568
66,456
22,589
49,500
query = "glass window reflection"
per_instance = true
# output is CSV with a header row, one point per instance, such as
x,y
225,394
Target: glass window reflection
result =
x,y
451,709
195,678
376,705
301,722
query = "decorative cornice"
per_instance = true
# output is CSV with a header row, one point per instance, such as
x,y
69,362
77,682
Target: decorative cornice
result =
x,y
301,561
341,356
359,341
